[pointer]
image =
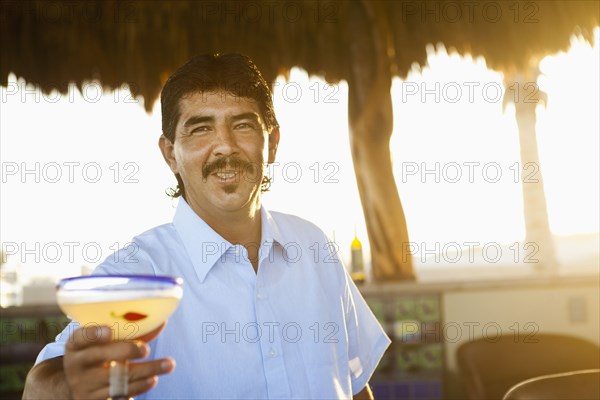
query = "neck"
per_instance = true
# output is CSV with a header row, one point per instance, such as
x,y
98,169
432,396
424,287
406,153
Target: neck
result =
x,y
237,227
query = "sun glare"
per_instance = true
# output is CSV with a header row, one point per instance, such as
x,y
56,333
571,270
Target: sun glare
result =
x,y
568,137
85,168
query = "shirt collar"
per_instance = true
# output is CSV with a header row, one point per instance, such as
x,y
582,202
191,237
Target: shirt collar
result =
x,y
204,246
270,234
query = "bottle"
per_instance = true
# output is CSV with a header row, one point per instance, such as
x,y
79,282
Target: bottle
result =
x,y
357,272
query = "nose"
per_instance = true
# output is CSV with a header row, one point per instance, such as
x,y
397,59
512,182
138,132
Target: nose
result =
x,y
225,143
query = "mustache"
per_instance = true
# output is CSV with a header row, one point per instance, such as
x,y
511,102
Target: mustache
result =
x,y
233,162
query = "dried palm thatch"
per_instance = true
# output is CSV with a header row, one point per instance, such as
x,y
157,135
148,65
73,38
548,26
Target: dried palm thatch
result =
x,y
366,43
50,43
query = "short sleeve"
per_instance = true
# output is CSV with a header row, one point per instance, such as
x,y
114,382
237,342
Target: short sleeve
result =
x,y
367,340
57,348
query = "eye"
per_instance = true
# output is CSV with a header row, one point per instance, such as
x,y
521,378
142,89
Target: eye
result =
x,y
200,129
244,125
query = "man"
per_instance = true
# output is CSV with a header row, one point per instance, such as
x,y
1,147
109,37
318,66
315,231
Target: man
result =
x,y
268,310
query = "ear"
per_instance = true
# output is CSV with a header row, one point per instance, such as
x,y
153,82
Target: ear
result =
x,y
167,150
273,143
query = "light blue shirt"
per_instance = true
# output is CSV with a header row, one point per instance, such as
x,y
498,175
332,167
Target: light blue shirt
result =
x,y
298,328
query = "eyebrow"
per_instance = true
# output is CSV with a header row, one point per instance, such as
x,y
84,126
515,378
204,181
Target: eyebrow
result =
x,y
195,120
247,115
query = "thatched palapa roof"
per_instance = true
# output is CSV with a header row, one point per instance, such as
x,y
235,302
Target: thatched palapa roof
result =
x,y
141,42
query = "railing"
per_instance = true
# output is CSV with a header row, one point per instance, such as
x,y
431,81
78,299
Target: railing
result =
x,y
23,333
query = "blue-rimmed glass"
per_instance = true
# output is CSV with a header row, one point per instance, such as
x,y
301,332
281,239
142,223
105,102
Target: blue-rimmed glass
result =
x,y
131,305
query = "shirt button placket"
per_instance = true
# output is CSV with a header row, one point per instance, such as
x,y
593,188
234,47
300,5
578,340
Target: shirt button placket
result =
x,y
270,342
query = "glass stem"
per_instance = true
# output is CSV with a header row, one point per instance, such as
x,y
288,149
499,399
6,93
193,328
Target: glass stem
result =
x,y
118,380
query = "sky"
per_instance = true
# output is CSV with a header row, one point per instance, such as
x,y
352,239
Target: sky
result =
x,y
82,173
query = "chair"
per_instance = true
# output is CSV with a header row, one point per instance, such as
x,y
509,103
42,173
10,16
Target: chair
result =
x,y
489,368
575,385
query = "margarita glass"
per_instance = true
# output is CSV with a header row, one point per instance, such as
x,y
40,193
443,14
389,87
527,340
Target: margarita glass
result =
x,y
130,305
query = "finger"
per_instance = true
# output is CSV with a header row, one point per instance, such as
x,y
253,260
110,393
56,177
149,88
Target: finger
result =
x,y
145,370
87,381
140,383
142,377
134,389
104,353
89,336
141,386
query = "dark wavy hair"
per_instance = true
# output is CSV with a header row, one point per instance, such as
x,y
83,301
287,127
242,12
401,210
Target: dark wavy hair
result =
x,y
233,73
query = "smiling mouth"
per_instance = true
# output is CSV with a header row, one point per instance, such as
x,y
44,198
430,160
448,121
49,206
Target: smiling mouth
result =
x,y
226,175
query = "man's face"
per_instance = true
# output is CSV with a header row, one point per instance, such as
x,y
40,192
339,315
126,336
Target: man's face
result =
x,y
220,150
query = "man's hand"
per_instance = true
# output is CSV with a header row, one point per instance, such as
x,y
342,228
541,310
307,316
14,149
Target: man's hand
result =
x,y
85,367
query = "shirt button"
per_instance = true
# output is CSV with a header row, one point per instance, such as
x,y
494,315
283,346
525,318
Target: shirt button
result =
x,y
261,296
272,353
